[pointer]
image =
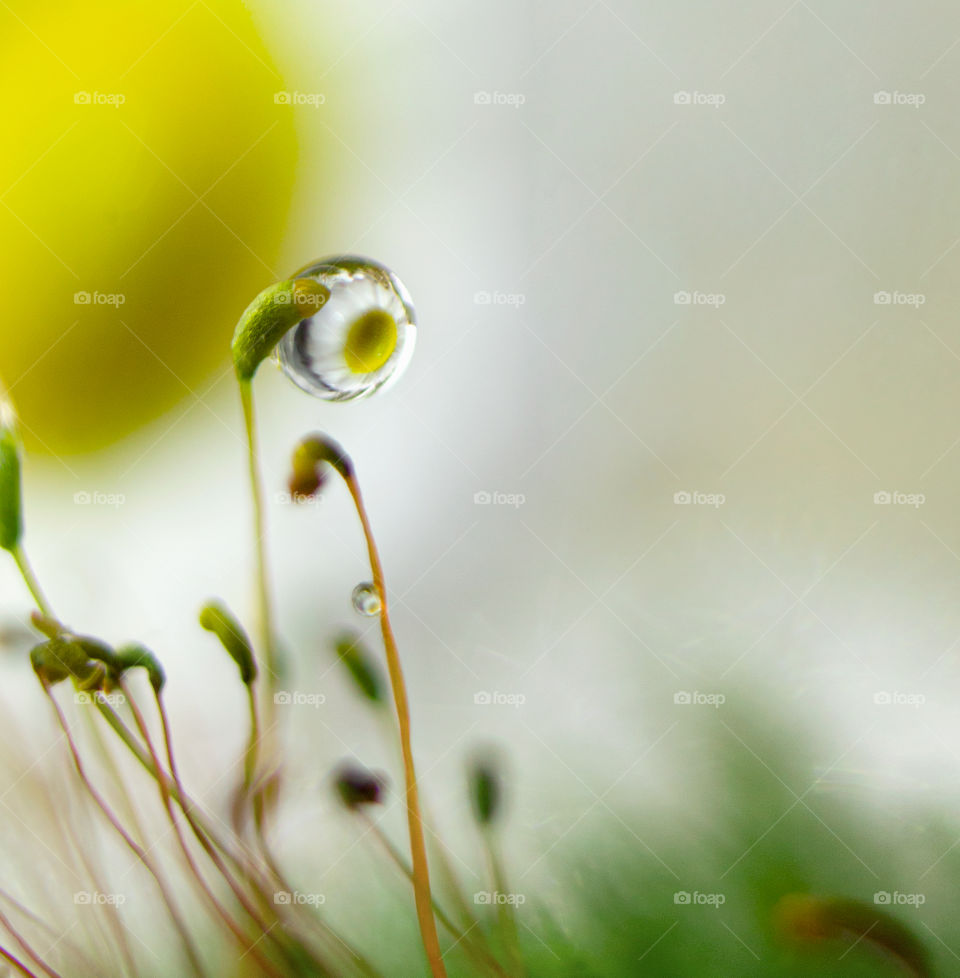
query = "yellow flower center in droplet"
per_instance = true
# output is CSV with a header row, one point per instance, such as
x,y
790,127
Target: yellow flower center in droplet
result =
x,y
371,341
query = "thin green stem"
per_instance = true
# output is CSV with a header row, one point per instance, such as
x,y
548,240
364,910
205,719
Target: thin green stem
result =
x,y
267,638
505,910
253,789
253,744
30,579
33,586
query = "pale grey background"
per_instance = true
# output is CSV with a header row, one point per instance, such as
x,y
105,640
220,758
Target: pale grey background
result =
x,y
597,399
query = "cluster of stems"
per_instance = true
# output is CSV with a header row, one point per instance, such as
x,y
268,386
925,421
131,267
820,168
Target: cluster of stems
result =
x,y
232,868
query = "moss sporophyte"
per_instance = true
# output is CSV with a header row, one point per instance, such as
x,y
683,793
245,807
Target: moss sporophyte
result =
x,y
340,328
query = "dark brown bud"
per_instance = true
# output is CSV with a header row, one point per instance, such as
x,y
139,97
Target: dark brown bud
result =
x,y
357,786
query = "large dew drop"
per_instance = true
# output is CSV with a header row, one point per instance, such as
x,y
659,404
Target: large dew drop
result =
x,y
360,340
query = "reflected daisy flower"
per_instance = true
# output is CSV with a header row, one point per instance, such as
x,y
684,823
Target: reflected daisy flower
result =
x,y
362,337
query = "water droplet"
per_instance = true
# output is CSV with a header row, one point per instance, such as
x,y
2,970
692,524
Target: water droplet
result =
x,y
365,599
360,340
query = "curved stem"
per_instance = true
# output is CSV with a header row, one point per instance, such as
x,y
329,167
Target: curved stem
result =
x,y
201,825
16,963
178,793
418,849
251,789
179,925
198,824
49,929
251,755
110,766
92,861
221,911
26,948
30,579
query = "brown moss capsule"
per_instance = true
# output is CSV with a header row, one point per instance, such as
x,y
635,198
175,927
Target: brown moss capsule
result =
x,y
357,786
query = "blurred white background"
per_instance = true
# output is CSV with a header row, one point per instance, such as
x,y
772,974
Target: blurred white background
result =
x,y
546,179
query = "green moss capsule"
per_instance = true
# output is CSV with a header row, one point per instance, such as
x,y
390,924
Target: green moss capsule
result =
x,y
64,658
134,656
486,790
361,667
271,315
214,617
